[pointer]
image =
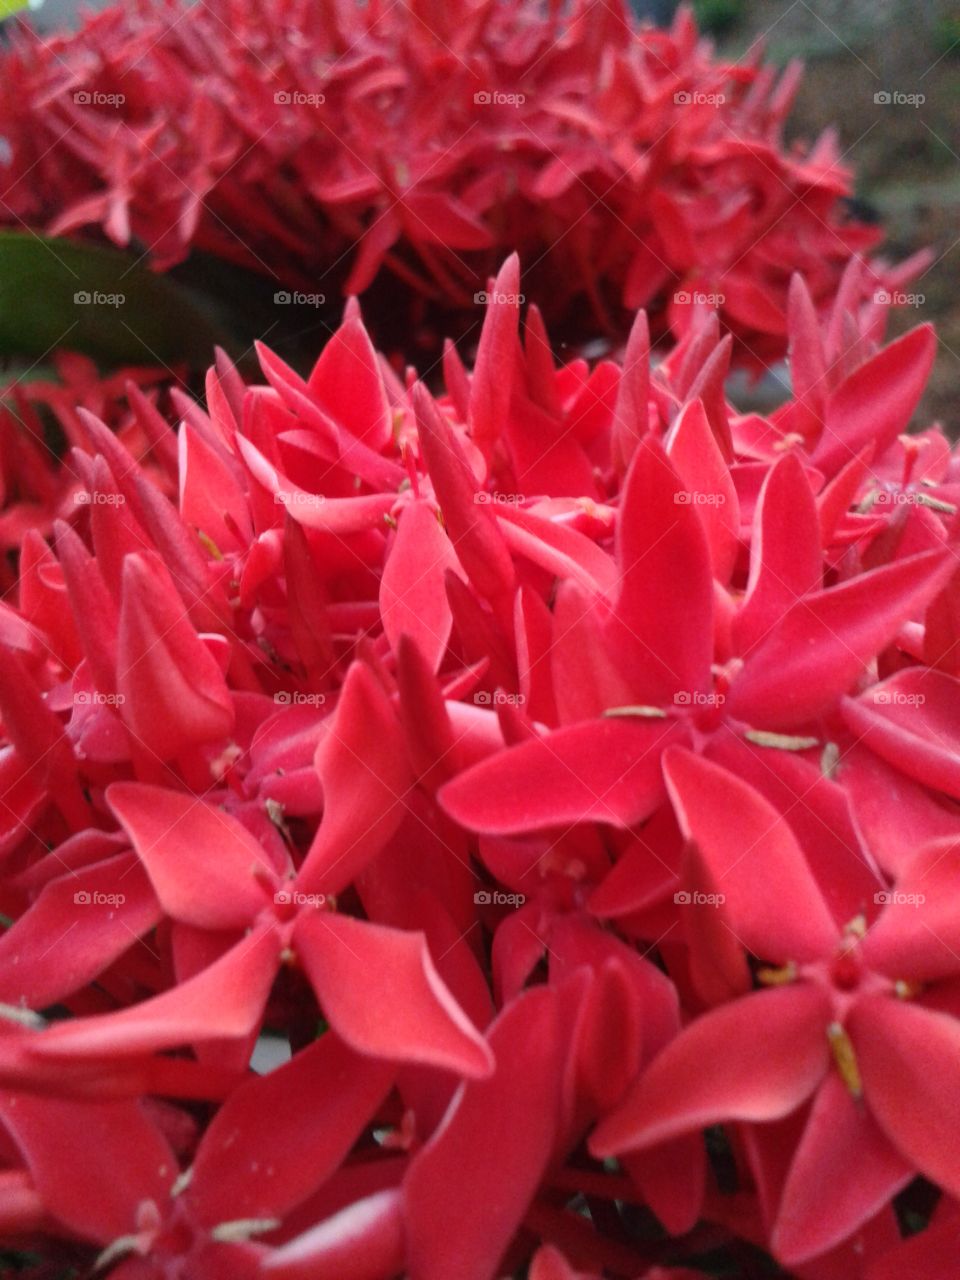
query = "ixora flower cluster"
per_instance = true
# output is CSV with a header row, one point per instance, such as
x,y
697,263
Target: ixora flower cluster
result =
x,y
329,143
564,768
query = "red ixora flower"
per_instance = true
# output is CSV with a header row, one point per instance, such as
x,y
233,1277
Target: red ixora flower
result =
x,y
549,767
422,142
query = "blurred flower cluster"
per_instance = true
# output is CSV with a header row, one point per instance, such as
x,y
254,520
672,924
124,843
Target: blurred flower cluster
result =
x,y
334,145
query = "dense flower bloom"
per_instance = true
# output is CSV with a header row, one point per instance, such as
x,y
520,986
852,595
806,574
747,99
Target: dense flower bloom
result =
x,y
556,766
41,420
326,145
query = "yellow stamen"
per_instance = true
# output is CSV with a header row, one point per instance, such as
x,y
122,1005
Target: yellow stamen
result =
x,y
778,977
845,1057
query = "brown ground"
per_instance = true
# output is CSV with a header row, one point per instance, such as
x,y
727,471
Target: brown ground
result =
x,y
906,158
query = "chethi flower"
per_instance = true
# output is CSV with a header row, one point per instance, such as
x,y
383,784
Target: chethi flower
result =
x,y
552,761
415,145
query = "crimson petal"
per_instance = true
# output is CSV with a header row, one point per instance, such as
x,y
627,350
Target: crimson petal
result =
x,y
598,771
767,1053
279,1136
499,1131
381,992
909,1060
772,901
826,640
200,860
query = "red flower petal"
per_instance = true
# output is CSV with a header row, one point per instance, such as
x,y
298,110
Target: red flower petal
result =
x,y
364,770
279,1136
767,1054
224,1001
413,597
496,356
74,931
74,1151
162,662
200,860
665,606
501,1132
876,402
785,557
843,1173
909,1062
911,721
364,1241
380,991
773,904
825,641
599,771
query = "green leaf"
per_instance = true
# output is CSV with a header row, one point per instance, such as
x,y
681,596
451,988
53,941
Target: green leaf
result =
x,y
58,293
